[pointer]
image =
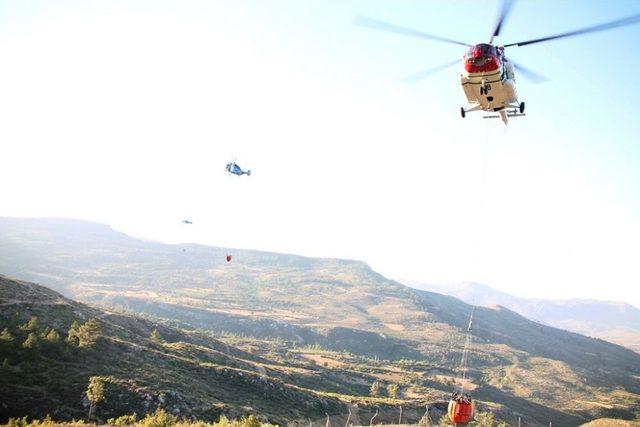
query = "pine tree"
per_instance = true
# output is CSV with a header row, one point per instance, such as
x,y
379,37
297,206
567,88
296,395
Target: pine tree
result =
x,y
86,335
6,336
95,393
31,343
392,390
72,336
6,341
375,389
52,337
89,333
31,325
155,337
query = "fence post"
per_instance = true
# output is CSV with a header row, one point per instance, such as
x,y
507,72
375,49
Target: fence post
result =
x,y
374,417
348,418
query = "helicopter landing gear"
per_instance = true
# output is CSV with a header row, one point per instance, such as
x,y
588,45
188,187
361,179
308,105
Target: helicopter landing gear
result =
x,y
521,107
462,112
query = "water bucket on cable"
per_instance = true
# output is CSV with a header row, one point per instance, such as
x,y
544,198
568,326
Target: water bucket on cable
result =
x,y
460,411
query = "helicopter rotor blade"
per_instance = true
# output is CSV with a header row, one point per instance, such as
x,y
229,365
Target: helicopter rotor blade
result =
x,y
414,78
506,7
364,21
528,74
602,27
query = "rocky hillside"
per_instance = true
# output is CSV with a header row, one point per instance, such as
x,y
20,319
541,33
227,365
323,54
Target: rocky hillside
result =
x,y
341,313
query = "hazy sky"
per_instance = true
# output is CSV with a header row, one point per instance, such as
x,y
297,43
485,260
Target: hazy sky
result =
x,y
126,112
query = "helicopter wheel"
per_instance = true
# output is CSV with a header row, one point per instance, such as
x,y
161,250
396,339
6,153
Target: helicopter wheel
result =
x,y
462,112
521,107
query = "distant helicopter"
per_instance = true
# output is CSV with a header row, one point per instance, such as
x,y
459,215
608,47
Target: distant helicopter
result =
x,y
488,78
186,221
234,169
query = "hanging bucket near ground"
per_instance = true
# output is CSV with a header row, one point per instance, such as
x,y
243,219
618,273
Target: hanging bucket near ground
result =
x,y
460,412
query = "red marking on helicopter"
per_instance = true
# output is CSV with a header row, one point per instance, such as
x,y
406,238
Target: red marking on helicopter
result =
x,y
482,58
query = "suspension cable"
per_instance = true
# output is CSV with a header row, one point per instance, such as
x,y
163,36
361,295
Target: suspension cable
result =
x,y
464,360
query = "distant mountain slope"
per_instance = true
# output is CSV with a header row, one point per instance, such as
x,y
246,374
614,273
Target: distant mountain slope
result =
x,y
612,321
518,366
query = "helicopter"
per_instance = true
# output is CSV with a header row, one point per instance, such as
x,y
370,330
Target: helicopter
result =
x,y
186,221
488,77
234,169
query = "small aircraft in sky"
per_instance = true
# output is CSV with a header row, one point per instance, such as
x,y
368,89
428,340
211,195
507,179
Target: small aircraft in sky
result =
x,y
234,169
186,221
488,78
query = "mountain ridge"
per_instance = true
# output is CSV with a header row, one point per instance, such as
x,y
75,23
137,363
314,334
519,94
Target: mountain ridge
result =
x,y
341,307
614,321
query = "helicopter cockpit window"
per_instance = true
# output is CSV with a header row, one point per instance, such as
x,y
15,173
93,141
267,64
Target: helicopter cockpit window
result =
x,y
480,53
482,50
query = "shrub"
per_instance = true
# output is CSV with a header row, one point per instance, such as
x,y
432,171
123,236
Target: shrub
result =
x,y
250,421
124,420
17,422
160,418
484,419
47,422
444,421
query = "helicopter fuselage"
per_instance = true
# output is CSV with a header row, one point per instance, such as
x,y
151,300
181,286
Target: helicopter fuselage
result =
x,y
488,81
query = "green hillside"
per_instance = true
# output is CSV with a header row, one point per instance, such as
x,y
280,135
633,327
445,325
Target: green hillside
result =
x,y
189,374
352,325
145,366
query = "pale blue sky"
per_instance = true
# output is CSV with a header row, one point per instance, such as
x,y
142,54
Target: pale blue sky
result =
x,y
126,113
